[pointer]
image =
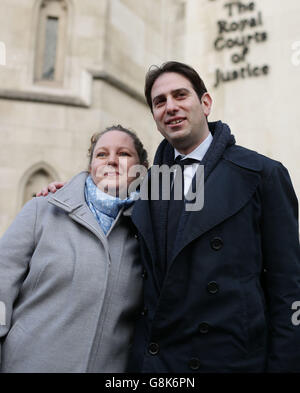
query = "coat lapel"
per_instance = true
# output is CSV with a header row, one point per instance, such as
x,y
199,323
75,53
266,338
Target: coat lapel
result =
x,y
141,218
71,199
226,191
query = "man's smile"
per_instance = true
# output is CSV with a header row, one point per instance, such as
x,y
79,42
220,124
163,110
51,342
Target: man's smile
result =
x,y
175,121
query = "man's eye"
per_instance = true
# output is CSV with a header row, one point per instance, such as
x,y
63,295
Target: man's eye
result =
x,y
157,104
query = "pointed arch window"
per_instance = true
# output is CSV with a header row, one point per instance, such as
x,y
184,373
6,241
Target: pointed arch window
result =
x,y
51,42
39,179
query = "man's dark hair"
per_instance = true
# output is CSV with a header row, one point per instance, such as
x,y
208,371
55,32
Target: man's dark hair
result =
x,y
173,66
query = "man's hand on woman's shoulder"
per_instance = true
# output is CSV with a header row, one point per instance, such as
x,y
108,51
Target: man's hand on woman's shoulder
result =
x,y
52,187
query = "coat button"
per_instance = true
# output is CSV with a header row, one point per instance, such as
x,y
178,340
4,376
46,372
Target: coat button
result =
x,y
144,311
212,287
204,328
144,274
216,243
153,348
194,364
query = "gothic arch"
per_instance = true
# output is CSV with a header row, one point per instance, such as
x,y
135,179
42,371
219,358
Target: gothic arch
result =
x,y
36,177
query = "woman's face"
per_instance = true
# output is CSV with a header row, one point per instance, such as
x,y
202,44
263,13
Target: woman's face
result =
x,y
113,156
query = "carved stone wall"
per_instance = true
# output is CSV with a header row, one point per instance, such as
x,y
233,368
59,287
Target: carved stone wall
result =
x,y
248,53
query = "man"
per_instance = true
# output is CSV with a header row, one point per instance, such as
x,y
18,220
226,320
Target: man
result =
x,y
219,283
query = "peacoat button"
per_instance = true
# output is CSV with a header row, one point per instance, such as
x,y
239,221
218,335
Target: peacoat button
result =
x,y
212,287
194,364
144,312
216,243
144,274
153,348
204,328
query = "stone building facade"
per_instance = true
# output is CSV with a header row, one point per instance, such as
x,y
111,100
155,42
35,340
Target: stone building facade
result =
x,y
69,68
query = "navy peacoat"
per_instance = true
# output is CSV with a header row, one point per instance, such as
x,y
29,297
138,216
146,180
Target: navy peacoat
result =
x,y
225,302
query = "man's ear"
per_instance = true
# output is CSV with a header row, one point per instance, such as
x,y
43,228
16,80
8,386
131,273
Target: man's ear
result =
x,y
206,102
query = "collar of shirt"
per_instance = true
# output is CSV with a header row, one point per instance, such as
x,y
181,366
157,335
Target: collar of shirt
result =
x,y
196,154
200,150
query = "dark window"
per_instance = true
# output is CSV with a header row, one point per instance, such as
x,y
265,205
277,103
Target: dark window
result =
x,y
50,48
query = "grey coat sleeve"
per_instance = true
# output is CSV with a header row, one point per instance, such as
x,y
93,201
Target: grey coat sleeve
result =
x,y
281,253
16,248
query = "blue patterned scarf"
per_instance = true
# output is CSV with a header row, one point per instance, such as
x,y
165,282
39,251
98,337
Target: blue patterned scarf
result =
x,y
104,206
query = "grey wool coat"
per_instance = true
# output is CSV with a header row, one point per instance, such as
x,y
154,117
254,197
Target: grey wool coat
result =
x,y
71,293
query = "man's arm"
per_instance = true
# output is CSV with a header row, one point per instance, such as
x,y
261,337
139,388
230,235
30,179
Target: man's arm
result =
x,y
52,187
281,254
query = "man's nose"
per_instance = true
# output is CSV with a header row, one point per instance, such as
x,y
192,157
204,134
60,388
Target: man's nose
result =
x,y
171,105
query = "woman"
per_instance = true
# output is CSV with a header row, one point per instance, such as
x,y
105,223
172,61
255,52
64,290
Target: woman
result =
x,y
70,276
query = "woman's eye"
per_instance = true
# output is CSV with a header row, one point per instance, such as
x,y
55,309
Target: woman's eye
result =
x,y
123,153
100,154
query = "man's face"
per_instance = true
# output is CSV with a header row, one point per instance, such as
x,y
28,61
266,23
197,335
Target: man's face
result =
x,y
179,115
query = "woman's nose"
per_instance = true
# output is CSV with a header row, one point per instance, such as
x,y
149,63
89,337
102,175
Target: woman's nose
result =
x,y
112,159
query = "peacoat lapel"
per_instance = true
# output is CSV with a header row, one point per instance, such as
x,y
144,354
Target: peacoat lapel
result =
x,y
227,189
151,215
71,199
141,217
